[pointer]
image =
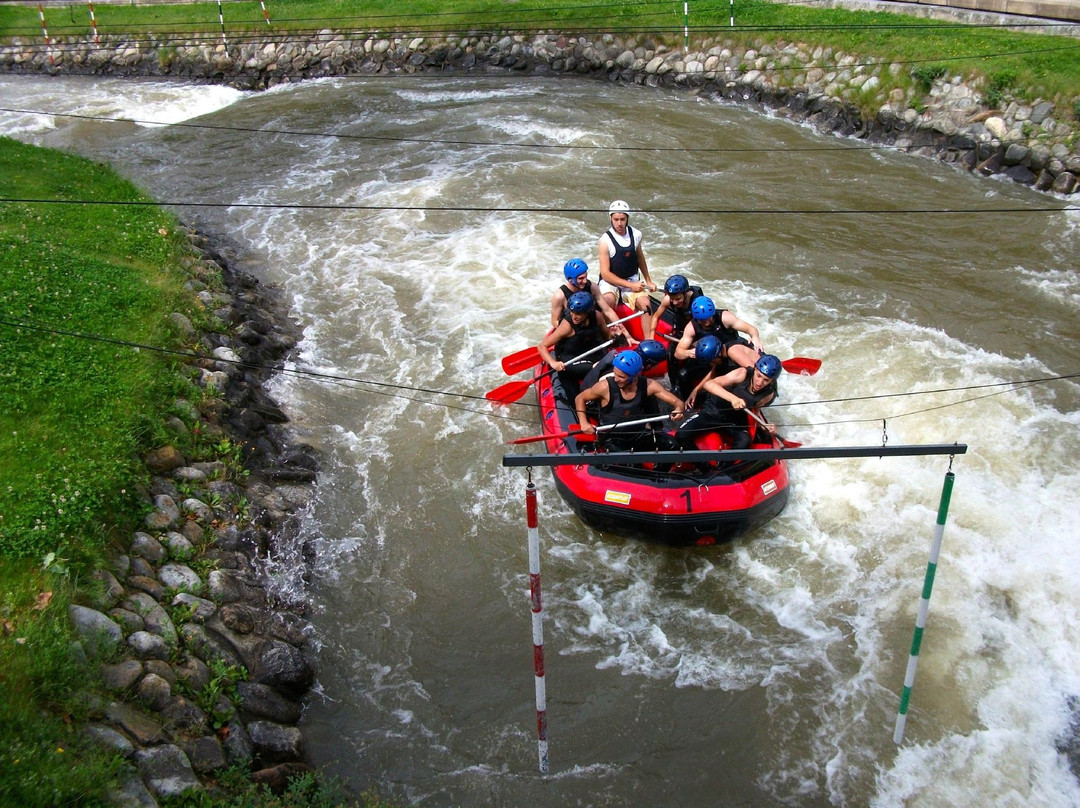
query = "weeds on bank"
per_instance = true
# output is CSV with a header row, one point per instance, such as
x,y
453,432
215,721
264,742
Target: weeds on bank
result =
x,y
44,757
232,790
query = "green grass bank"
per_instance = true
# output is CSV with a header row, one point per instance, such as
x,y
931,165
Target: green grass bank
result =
x,y
76,416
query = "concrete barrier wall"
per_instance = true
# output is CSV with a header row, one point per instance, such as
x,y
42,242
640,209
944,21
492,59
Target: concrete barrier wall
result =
x,y
1046,9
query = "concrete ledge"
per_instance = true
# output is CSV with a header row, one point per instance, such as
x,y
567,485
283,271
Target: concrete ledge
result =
x,y
1068,10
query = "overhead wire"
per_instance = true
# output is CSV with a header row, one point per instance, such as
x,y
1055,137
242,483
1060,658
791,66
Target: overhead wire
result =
x,y
661,9
331,378
352,382
239,38
169,203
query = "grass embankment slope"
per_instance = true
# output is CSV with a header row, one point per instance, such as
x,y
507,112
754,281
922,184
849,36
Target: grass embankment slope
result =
x,y
75,416
1006,63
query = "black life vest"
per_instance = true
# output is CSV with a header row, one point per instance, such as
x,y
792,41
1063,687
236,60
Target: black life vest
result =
x,y
624,263
718,406
567,292
680,318
717,329
584,337
619,409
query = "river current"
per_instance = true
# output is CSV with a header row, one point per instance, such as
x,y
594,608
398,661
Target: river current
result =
x,y
761,673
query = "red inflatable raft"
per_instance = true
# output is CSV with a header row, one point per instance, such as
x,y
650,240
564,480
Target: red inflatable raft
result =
x,y
684,506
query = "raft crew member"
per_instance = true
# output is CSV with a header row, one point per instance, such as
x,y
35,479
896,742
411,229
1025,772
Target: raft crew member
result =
x,y
707,319
678,296
576,275
742,388
652,354
622,262
709,360
623,396
577,332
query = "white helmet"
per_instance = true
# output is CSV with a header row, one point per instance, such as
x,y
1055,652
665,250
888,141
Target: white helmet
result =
x,y
618,206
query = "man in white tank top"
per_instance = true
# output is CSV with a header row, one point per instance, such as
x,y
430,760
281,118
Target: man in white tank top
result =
x,y
622,261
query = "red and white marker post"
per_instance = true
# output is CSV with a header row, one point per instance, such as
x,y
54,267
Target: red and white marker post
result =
x,y
93,22
45,32
537,626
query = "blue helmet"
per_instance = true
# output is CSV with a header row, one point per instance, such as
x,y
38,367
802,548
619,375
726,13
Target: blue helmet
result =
x,y
580,303
652,352
676,285
768,365
702,309
629,362
707,348
574,267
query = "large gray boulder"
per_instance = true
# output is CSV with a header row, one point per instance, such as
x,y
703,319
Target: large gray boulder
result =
x,y
167,771
99,634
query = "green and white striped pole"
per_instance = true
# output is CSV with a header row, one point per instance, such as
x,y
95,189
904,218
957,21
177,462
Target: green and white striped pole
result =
x,y
924,607
686,24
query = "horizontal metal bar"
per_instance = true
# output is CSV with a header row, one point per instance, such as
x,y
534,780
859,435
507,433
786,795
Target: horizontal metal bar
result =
x,y
728,455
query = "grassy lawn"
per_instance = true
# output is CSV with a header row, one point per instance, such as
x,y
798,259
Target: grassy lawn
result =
x,y
75,416
73,413
1025,65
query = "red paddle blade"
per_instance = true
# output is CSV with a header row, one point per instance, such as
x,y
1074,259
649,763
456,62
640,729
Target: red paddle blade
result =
x,y
522,360
575,431
801,365
508,393
788,444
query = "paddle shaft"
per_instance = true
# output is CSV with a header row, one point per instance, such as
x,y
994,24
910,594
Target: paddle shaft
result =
x,y
585,436
799,365
787,444
530,357
602,345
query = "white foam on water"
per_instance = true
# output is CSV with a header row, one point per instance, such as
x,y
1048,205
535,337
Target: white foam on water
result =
x,y
817,609
438,97
151,103
1061,286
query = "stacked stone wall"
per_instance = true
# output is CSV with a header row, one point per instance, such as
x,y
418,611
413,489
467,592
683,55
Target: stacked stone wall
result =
x,y
1034,143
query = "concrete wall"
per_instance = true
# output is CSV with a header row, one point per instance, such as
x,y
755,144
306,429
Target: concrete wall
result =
x,y
1045,9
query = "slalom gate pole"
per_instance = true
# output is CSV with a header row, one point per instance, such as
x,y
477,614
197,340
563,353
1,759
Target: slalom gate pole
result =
x,y
537,625
221,19
93,22
45,32
732,6
686,24
266,14
924,607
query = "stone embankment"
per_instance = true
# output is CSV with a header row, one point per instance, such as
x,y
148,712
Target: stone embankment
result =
x,y
204,667
1036,143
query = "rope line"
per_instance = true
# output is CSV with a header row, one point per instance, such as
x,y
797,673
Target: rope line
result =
x,y
350,381
236,39
542,210
326,377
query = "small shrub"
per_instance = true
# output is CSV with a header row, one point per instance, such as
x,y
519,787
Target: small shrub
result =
x,y
926,75
998,84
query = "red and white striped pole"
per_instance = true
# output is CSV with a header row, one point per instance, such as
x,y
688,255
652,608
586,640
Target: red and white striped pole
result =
x,y
537,626
266,14
45,32
93,22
